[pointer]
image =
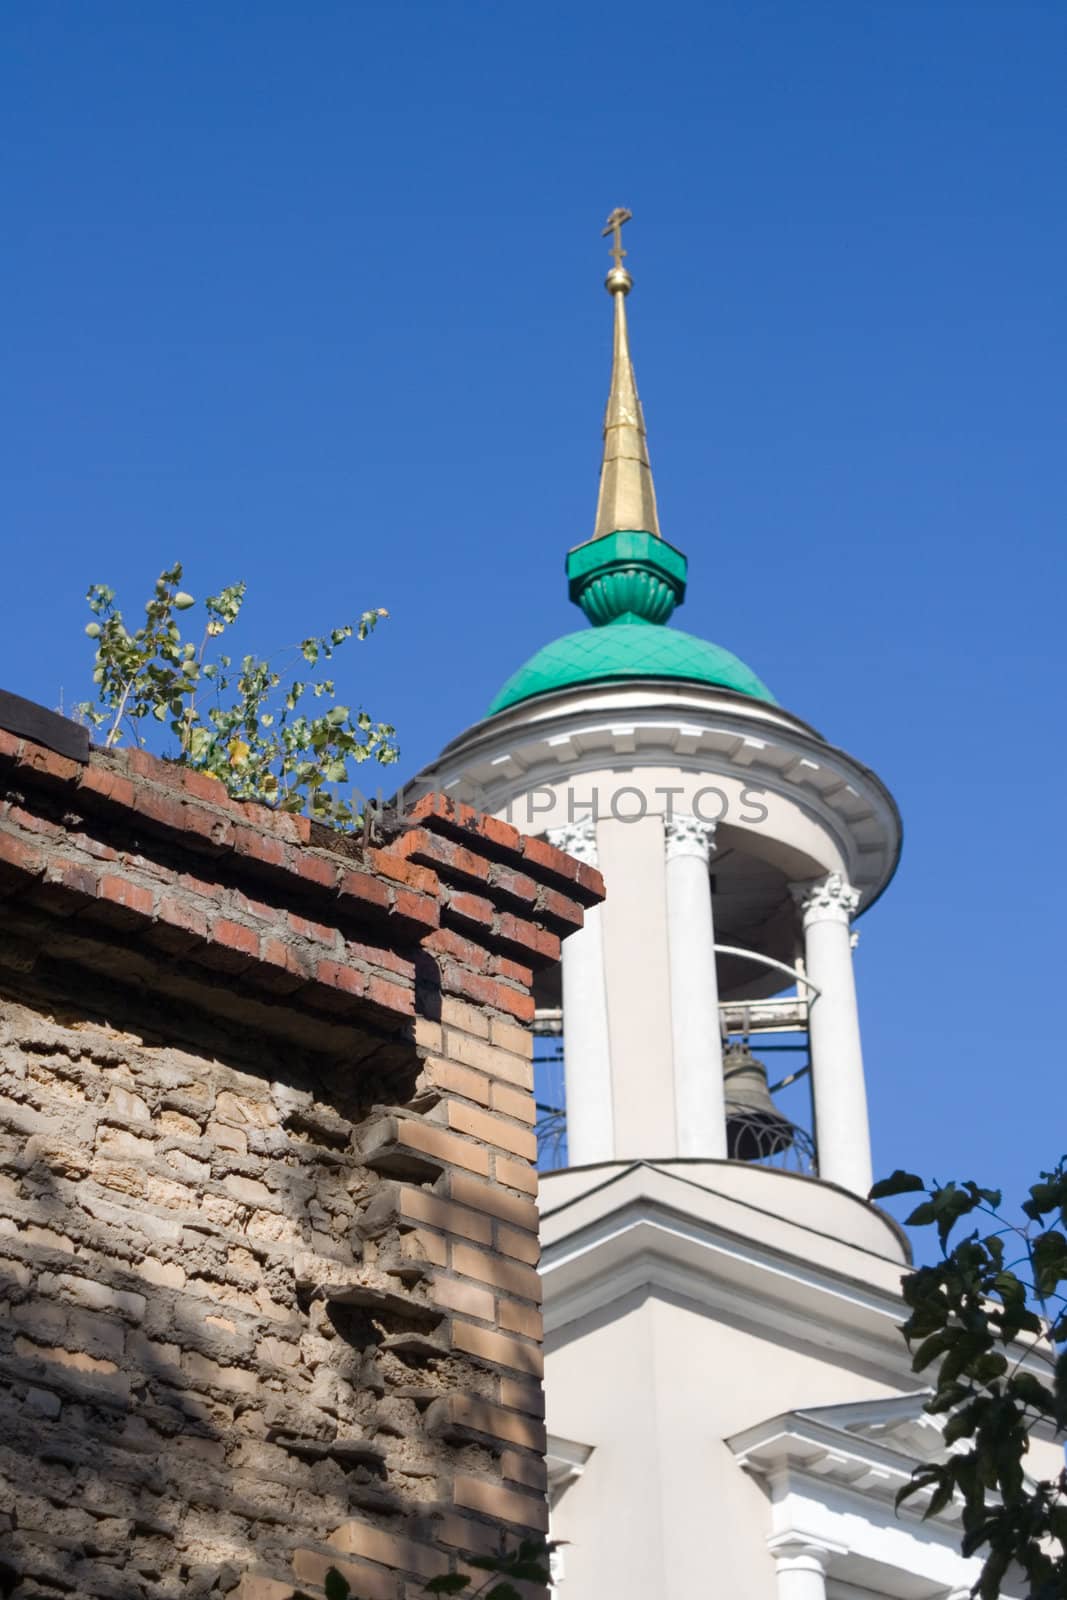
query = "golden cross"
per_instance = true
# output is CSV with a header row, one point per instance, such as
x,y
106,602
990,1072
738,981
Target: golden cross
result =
x,y
615,223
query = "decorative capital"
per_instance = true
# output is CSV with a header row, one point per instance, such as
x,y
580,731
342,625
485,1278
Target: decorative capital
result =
x,y
799,1552
688,836
829,899
577,839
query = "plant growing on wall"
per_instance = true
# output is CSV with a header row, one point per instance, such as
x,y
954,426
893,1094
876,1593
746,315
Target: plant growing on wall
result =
x,y
270,729
968,1314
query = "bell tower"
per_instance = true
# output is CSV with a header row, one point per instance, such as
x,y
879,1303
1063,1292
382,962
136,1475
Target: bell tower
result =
x,y
730,1407
736,843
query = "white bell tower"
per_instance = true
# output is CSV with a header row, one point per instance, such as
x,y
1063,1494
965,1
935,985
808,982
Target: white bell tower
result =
x,y
729,1403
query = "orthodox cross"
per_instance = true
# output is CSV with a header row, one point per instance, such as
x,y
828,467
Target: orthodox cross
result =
x,y
614,226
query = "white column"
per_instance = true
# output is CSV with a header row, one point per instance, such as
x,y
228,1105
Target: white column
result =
x,y
586,1048
801,1572
842,1131
698,1088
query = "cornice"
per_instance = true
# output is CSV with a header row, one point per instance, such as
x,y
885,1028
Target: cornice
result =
x,y
703,731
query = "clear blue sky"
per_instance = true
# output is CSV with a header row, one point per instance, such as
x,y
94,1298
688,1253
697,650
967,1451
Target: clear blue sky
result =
x,y
310,294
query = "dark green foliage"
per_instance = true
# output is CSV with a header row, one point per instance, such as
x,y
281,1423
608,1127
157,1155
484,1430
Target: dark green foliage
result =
x,y
991,1359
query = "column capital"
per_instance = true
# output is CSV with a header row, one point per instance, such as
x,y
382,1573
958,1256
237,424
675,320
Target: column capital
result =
x,y
829,899
798,1552
688,836
577,839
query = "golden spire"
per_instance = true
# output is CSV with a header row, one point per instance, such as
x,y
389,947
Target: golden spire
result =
x,y
627,496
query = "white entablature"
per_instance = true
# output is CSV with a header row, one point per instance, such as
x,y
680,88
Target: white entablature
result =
x,y
537,765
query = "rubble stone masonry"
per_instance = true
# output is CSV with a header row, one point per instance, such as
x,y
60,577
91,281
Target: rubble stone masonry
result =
x,y
268,1238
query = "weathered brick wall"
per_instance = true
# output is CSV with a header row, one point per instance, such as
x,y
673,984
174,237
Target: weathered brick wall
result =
x,y
268,1239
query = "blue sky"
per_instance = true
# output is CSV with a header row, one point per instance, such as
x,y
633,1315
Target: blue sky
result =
x,y
310,295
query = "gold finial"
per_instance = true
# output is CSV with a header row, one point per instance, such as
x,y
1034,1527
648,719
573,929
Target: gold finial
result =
x,y
627,494
618,280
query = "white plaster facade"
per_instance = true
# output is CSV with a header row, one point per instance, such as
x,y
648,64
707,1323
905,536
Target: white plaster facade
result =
x,y
729,1403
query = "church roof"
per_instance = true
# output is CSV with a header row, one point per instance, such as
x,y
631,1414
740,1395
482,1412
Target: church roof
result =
x,y
627,578
626,650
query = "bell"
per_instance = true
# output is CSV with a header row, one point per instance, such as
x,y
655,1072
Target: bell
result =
x,y
755,1128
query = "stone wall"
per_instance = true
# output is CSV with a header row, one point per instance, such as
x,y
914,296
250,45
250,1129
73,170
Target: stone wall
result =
x,y
268,1239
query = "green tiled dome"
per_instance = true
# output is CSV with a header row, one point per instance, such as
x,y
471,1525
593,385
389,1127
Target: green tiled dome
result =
x,y
628,650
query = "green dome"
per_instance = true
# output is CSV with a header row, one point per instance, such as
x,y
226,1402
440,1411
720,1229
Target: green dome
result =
x,y
628,650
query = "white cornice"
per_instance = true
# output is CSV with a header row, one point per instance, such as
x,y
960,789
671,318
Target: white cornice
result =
x,y
644,1247
704,731
647,1231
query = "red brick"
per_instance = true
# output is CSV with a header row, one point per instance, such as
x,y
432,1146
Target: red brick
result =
x,y
550,862
235,936
48,764
467,907
144,765
317,869
422,879
305,928
337,975
136,903
443,942
20,857
260,847
559,910
486,991
10,746
201,785
391,995
462,818
107,785
373,955
527,937
166,810
445,855
417,911
29,822
515,885
359,888
514,971
68,885
180,923
231,946
209,826
291,970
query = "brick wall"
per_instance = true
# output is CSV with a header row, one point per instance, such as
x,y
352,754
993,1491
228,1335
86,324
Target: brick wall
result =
x,y
268,1239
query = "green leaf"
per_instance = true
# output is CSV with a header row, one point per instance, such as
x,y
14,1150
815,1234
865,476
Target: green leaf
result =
x,y
899,1182
336,1585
